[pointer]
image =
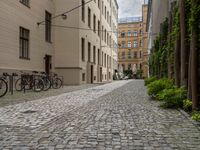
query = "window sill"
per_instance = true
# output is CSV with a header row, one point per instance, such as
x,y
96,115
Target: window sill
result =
x,y
49,42
24,58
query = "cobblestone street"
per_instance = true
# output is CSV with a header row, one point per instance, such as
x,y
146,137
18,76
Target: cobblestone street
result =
x,y
117,115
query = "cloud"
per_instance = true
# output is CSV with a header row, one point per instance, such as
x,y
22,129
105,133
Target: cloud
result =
x,y
130,8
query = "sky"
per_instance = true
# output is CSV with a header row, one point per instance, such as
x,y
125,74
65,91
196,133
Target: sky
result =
x,y
130,8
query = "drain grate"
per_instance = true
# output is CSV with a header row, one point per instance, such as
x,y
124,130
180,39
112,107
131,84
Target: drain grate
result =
x,y
96,90
29,112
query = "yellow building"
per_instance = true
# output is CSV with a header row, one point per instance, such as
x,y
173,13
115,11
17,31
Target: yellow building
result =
x,y
132,39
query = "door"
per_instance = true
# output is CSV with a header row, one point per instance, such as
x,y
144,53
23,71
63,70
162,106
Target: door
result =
x,y
47,64
101,75
92,74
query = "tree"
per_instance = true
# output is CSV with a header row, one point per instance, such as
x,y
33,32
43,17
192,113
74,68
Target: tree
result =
x,y
194,54
184,50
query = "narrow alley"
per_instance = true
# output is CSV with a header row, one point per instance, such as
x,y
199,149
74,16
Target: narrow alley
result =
x,y
118,115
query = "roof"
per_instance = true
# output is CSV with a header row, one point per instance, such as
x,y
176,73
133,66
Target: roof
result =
x,y
130,20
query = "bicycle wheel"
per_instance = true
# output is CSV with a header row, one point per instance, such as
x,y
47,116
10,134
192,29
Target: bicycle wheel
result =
x,y
3,87
47,84
57,83
18,85
38,85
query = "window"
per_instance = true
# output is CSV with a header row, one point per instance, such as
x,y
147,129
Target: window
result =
x,y
141,32
25,2
94,23
135,54
123,55
83,76
83,49
108,16
102,58
99,57
141,43
24,43
83,10
89,17
140,54
107,38
105,35
102,7
135,33
99,4
89,52
129,44
102,32
135,45
129,33
48,26
99,28
129,54
105,12
110,21
122,34
105,60
94,54
123,44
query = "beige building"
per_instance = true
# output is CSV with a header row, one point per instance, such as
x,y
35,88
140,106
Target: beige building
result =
x,y
157,12
79,45
133,52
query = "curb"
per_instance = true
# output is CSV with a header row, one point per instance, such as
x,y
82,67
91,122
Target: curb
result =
x,y
186,115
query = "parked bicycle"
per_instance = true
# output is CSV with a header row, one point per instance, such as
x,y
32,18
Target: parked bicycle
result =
x,y
3,85
29,82
54,80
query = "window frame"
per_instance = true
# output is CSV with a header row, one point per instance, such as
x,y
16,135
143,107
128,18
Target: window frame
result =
x,y
22,41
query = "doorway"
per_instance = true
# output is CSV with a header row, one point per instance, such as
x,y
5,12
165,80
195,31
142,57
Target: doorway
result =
x,y
47,64
92,74
101,75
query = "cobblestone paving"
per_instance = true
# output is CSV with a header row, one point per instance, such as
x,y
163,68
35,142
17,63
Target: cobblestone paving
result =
x,y
20,97
116,116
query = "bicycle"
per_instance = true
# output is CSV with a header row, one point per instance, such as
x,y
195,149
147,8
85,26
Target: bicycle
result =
x,y
56,82
3,85
29,82
46,81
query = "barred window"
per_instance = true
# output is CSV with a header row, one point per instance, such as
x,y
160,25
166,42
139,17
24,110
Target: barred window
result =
x,y
24,43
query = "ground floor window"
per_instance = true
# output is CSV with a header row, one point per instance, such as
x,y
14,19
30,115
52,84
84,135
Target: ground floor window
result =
x,y
83,76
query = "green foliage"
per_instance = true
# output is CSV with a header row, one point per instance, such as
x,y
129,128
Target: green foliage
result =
x,y
187,105
157,86
196,116
149,80
158,61
172,98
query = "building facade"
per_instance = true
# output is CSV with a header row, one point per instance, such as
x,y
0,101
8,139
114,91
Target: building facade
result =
x,y
155,18
132,39
40,36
